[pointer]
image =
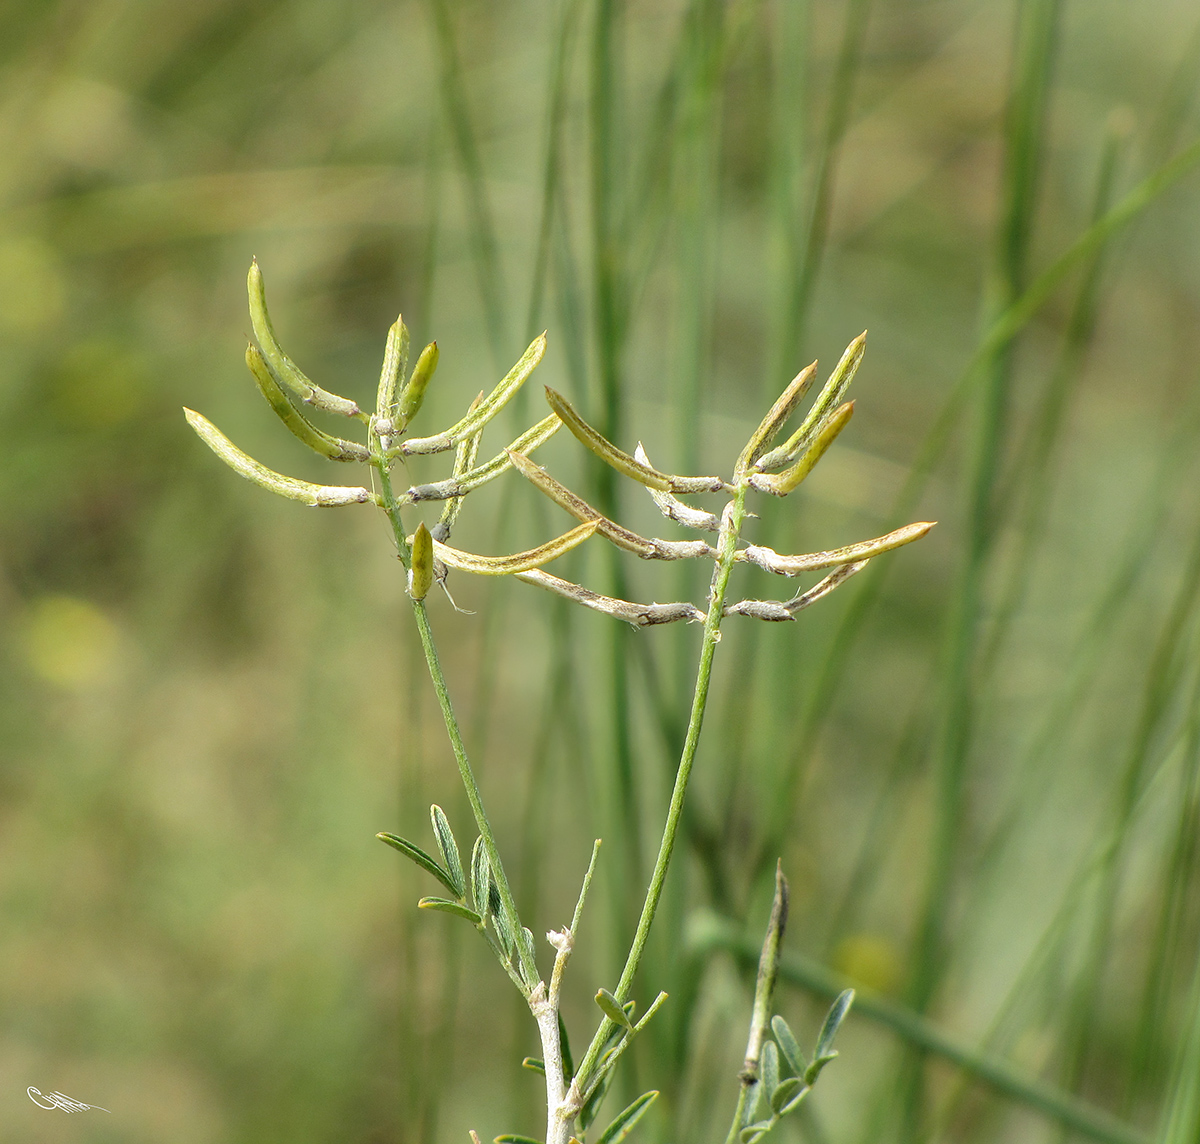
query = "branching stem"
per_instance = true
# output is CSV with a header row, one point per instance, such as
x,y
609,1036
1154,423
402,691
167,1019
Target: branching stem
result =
x,y
391,506
731,525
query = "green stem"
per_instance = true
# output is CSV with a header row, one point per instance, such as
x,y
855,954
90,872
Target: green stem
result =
x,y
528,965
731,524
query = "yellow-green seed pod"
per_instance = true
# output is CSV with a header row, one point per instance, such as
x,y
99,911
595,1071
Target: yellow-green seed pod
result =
x,y
420,574
395,364
414,391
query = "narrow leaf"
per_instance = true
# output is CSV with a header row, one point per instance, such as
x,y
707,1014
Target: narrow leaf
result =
x,y
480,877
534,1065
622,461
564,1044
770,1067
833,1021
283,369
455,908
332,447
788,1045
252,470
425,861
775,419
624,1123
613,1009
754,1131
518,561
783,1092
448,849
795,1101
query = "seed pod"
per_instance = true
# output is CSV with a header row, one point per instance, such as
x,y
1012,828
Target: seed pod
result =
x,y
414,391
776,416
622,461
835,389
395,365
783,565
283,369
252,470
518,561
332,447
420,573
781,484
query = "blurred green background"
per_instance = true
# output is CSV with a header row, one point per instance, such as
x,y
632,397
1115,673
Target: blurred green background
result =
x,y
980,761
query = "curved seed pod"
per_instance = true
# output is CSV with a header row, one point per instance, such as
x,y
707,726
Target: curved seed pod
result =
x,y
472,478
640,615
780,484
283,369
395,366
290,487
581,510
481,414
775,419
464,460
822,588
772,561
518,561
332,447
622,461
420,572
829,398
414,391
673,508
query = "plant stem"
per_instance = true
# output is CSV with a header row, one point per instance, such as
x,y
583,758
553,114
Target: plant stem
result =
x,y
528,966
731,524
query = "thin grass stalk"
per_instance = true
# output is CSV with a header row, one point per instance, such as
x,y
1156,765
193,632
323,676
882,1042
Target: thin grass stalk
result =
x,y
1025,130
863,598
915,1029
1171,948
1158,694
484,244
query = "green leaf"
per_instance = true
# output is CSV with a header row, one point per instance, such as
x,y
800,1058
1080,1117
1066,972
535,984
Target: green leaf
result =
x,y
447,907
837,1014
824,1051
564,1043
623,1124
534,1065
788,1045
515,1138
770,1068
449,850
419,857
754,1131
783,1093
613,1009
592,1105
795,1101
480,878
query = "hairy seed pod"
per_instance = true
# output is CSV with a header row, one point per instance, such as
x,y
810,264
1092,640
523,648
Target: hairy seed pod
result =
x,y
420,574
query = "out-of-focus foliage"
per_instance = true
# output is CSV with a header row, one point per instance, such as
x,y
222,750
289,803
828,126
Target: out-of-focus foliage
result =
x,y
981,771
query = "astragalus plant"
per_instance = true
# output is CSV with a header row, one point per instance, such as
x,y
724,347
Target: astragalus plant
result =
x,y
775,1077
